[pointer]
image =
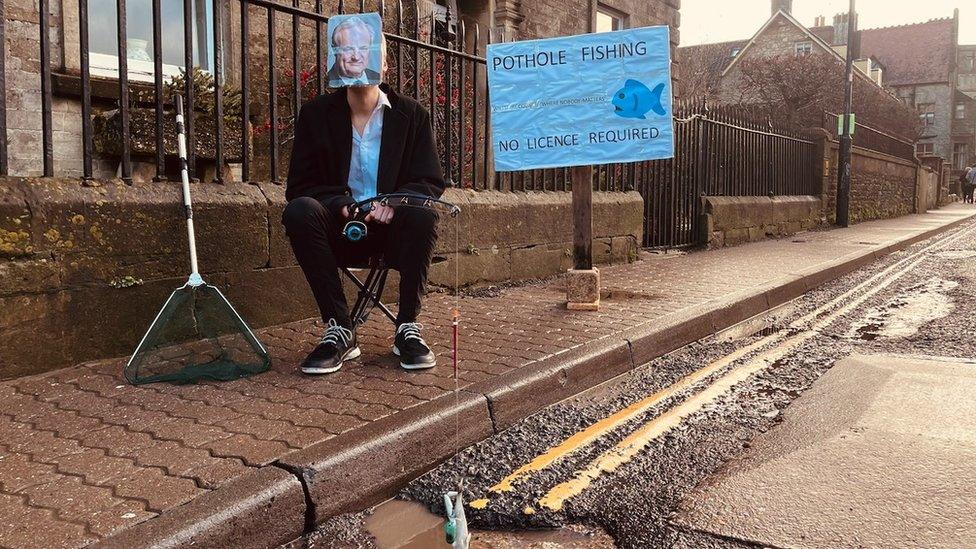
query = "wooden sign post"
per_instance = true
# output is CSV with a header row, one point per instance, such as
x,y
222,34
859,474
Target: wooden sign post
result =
x,y
583,282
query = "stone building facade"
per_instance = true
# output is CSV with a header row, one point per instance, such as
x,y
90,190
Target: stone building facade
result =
x,y
498,19
964,128
921,70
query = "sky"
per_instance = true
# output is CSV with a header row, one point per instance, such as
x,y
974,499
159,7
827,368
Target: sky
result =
x,y
707,21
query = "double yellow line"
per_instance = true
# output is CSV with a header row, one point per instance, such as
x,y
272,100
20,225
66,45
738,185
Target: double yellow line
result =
x,y
809,326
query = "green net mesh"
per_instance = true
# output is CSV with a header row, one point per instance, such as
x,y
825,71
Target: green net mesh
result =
x,y
197,336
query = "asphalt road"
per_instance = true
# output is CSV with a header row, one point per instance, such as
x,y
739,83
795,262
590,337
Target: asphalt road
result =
x,y
570,464
623,457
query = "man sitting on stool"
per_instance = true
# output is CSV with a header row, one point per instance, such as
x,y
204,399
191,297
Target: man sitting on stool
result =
x,y
351,145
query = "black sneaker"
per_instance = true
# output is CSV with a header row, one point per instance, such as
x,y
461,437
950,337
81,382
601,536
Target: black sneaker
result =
x,y
410,347
338,345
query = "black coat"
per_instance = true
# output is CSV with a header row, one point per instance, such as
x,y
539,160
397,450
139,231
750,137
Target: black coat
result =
x,y
323,145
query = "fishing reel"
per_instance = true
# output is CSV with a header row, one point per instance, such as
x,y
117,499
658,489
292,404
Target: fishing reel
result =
x,y
356,230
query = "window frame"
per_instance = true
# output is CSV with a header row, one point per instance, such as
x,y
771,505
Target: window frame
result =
x,y
967,58
105,65
929,146
926,113
960,111
801,49
960,157
616,15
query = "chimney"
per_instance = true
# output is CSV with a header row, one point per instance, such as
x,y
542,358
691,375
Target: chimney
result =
x,y
820,21
781,5
840,29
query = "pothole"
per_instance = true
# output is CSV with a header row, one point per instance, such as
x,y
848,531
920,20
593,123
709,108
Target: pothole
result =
x,y
905,314
398,524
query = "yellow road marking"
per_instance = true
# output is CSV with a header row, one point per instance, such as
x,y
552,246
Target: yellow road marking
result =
x,y
609,423
629,447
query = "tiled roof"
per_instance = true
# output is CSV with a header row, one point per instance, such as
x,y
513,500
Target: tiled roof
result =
x,y
912,54
711,58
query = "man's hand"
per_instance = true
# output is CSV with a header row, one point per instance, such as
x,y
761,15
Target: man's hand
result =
x,y
380,213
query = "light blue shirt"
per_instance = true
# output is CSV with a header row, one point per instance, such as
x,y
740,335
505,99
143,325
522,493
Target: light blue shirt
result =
x,y
365,158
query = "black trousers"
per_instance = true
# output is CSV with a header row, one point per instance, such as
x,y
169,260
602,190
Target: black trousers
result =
x,y
407,245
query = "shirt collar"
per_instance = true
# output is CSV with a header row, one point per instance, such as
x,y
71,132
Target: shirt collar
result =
x,y
383,101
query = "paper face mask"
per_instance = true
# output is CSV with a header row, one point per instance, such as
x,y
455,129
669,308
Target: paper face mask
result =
x,y
355,52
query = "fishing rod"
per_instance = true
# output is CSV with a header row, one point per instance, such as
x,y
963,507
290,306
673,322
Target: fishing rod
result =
x,y
355,230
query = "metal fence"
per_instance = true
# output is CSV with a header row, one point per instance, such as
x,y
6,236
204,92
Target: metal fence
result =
x,y
728,151
437,64
874,139
718,151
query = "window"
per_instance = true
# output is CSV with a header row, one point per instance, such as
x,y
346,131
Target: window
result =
x,y
967,61
926,112
608,19
924,149
139,39
959,156
960,111
907,95
803,48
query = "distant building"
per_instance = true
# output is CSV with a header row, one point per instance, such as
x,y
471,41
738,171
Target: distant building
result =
x,y
920,63
715,71
921,70
964,113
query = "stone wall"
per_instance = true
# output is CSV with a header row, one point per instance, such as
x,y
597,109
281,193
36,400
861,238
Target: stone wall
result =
x,y
882,186
83,270
732,220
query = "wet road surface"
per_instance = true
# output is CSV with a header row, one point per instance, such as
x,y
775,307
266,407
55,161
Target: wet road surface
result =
x,y
625,457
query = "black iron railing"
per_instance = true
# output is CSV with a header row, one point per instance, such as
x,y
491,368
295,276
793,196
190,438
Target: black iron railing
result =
x,y
874,139
719,152
441,70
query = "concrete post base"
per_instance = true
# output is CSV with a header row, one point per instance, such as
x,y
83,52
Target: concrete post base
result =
x,y
583,290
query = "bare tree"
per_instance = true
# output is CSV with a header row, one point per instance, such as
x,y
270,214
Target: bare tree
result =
x,y
799,89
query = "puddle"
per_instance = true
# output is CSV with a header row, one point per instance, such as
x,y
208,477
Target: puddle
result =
x,y
398,524
904,315
406,525
615,294
955,254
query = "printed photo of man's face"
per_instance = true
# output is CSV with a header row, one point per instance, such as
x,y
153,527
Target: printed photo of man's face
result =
x,y
354,50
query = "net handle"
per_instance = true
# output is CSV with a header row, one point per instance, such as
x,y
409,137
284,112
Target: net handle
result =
x,y
195,278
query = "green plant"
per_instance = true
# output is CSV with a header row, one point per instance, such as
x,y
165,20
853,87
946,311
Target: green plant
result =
x,y
203,93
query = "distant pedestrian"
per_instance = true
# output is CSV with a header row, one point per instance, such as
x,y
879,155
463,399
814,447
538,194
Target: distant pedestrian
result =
x,y
968,180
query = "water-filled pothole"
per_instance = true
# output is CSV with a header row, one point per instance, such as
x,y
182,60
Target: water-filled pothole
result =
x,y
903,315
398,524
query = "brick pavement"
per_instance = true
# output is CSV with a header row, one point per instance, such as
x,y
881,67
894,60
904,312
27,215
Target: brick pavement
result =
x,y
84,455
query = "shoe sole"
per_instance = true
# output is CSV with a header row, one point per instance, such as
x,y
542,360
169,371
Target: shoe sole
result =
x,y
421,366
351,354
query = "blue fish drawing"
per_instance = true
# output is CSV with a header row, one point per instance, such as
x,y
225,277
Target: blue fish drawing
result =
x,y
634,100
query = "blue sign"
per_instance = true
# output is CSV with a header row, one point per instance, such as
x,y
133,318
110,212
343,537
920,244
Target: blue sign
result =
x,y
579,100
